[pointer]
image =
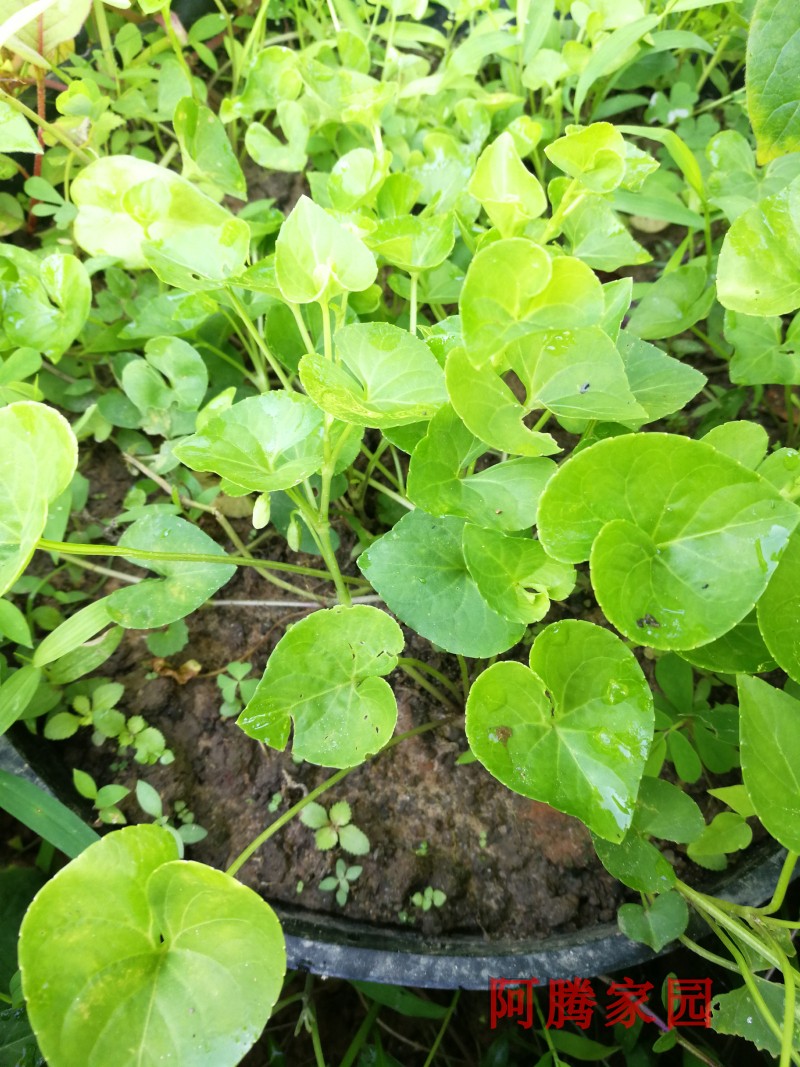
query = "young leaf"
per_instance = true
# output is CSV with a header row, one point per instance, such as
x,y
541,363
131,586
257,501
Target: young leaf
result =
x,y
419,570
206,152
573,731
181,587
316,258
414,243
262,444
682,539
673,303
595,155
770,750
326,674
38,457
510,195
663,921
129,923
773,84
383,377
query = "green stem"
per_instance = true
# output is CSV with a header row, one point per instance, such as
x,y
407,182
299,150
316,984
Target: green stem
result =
x,y
429,687
361,1035
412,305
442,1029
462,663
707,954
301,326
260,345
101,22
404,661
68,548
323,787
781,886
176,45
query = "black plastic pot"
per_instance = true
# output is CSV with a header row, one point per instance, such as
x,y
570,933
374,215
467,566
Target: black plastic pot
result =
x,y
335,947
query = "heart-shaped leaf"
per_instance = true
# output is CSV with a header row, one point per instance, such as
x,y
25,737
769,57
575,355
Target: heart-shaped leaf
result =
x,y
505,496
595,155
489,408
38,456
412,243
573,730
130,956
514,575
143,214
264,147
263,443
316,258
383,377
656,925
326,674
510,195
419,570
44,303
512,288
206,152
182,587
682,539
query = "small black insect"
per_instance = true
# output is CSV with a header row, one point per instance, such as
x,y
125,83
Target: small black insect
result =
x,y
647,620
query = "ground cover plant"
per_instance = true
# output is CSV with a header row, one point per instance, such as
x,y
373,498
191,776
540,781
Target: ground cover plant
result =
x,y
526,331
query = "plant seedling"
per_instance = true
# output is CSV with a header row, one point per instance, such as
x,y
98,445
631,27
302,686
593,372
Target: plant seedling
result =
x,y
428,898
186,832
104,800
334,827
341,881
236,689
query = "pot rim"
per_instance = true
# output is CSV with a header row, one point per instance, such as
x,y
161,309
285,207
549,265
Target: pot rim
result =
x,y
332,947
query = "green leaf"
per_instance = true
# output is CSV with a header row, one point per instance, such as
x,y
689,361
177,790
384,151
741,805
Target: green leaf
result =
x,y
38,457
663,921
778,611
383,376
414,243
418,569
660,384
609,54
262,444
599,237
206,152
773,81
736,1013
16,693
18,886
267,151
665,811
401,1000
504,496
314,816
181,587
45,302
510,195
75,631
14,625
491,410
514,575
740,650
353,840
673,303
512,289
143,214
595,155
18,1046
326,674
316,258
770,750
356,178
45,815
15,133
761,355
636,863
53,25
744,441
759,263
727,832
124,949
682,540
573,731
